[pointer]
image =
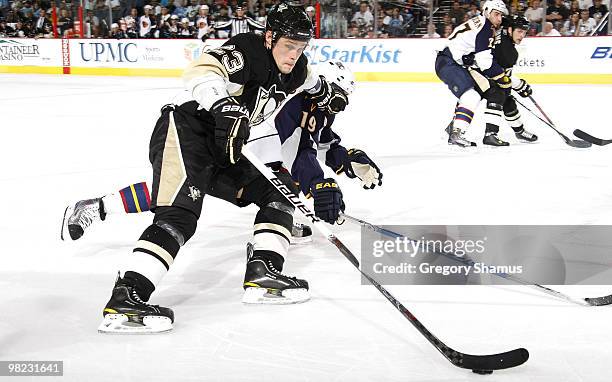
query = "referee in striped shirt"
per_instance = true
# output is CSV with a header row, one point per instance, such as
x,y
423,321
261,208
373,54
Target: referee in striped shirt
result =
x,y
239,24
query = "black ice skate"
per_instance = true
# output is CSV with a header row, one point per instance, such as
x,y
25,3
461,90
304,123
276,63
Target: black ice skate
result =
x,y
456,138
491,139
127,313
265,284
300,234
525,136
79,217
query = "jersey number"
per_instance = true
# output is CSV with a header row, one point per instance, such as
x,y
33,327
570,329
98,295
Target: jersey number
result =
x,y
312,122
230,58
466,27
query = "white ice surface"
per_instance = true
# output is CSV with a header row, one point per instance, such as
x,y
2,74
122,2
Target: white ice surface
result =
x,y
69,138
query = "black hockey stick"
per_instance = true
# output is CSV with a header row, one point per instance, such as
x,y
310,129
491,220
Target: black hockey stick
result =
x,y
588,301
571,142
481,364
589,138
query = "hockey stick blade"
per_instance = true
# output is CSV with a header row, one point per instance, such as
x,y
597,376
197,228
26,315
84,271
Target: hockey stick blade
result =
x,y
483,364
570,142
589,138
599,301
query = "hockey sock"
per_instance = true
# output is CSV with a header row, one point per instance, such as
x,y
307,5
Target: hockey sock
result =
x,y
463,111
493,117
153,254
272,231
134,198
514,120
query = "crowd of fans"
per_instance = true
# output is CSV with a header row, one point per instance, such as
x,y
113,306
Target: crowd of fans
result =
x,y
560,18
217,18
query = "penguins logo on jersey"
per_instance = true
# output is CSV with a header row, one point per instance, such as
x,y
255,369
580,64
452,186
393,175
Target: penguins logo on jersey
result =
x,y
267,102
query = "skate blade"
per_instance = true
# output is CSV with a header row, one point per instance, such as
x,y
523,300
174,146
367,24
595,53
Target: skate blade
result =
x,y
254,295
64,232
300,240
120,324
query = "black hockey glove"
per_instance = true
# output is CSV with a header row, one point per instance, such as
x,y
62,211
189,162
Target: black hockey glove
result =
x,y
328,201
523,89
231,129
330,98
359,165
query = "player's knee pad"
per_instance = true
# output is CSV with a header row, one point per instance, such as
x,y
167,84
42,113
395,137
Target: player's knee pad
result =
x,y
470,99
495,95
178,222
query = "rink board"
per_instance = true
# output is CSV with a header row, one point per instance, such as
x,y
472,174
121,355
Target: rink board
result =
x,y
541,60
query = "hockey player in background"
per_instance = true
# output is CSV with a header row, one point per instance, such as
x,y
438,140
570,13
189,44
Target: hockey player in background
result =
x,y
195,150
514,29
473,40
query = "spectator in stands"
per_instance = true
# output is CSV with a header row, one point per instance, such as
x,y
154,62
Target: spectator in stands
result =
x,y
132,28
431,32
170,29
203,13
353,32
393,25
574,8
448,29
261,16
203,29
586,24
92,24
557,13
585,4
570,27
184,29
65,23
164,17
549,30
222,18
179,9
146,25
363,18
534,14
312,16
19,30
192,9
456,14
598,10
474,11
42,25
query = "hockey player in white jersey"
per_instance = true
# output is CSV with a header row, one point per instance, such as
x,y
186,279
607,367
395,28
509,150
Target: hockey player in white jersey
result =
x,y
470,44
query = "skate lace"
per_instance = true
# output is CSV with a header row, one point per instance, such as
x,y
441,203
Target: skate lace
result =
x,y
279,273
88,215
137,298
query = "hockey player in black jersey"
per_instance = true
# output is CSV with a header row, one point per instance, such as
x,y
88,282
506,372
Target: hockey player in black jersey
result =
x,y
514,29
195,150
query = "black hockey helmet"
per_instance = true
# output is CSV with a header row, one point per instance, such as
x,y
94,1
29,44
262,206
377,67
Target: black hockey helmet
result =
x,y
515,22
289,21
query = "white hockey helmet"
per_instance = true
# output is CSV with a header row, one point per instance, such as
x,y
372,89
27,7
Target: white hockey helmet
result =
x,y
336,72
494,5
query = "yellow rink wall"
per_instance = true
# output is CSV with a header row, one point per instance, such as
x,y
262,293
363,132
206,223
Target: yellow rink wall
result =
x,y
567,60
